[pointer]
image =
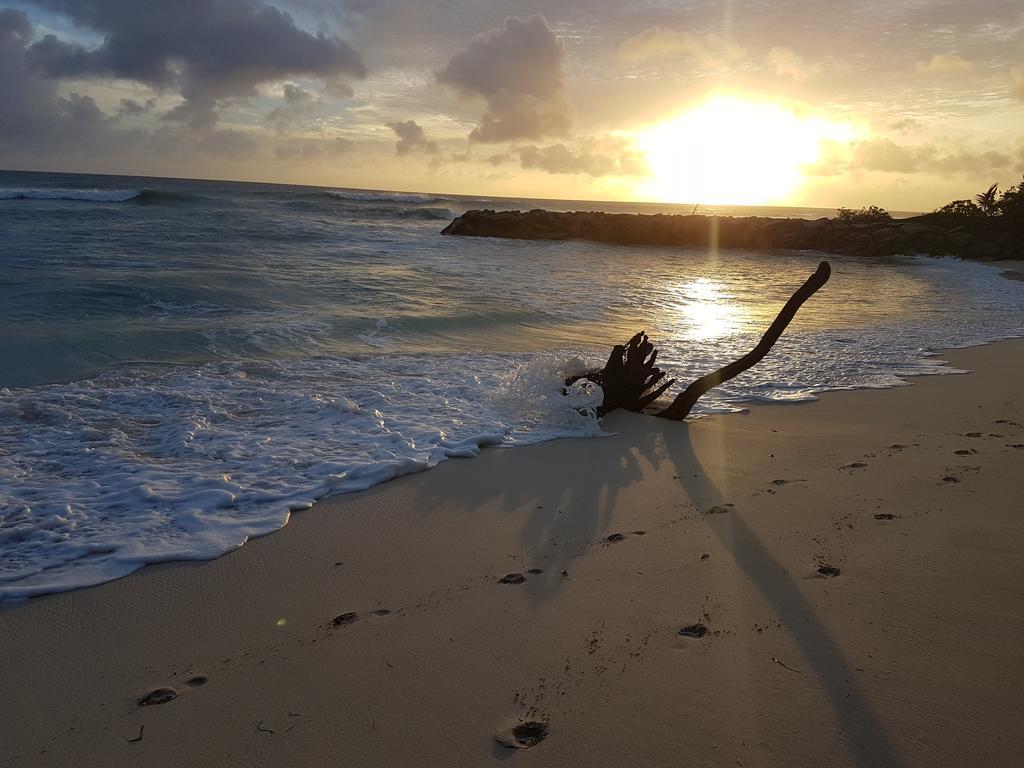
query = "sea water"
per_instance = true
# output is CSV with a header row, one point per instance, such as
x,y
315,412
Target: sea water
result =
x,y
184,363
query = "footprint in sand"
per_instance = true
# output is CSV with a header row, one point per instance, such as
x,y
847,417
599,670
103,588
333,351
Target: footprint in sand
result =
x,y
964,451
828,571
535,571
512,578
854,465
195,682
951,479
694,630
614,538
523,736
382,612
885,516
157,696
345,618
720,509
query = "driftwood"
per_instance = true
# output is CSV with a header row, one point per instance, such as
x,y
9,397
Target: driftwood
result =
x,y
630,376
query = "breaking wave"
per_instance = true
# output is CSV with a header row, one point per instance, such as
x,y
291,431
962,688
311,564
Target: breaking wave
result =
x,y
97,195
383,197
89,195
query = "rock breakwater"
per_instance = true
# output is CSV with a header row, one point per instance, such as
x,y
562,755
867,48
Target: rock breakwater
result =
x,y
989,239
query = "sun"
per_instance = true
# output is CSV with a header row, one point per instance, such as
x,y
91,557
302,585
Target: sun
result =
x,y
733,150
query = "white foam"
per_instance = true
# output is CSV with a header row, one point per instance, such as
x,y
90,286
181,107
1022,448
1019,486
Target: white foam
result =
x,y
384,197
100,477
90,195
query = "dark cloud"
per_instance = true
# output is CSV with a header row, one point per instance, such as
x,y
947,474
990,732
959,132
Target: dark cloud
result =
x,y
38,124
518,69
132,108
207,51
31,112
411,138
298,104
557,158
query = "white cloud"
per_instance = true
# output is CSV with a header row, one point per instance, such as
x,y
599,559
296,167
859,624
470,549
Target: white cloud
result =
x,y
710,51
788,64
944,64
1017,82
558,158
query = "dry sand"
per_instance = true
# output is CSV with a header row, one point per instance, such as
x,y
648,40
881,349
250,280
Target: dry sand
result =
x,y
911,656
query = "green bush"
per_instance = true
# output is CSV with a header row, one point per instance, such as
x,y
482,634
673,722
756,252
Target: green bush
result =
x,y
965,209
865,215
1012,202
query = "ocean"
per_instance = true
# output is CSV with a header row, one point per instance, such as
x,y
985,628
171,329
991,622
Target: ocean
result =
x,y
185,363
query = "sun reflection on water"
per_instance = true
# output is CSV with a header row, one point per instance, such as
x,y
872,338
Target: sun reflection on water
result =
x,y
703,310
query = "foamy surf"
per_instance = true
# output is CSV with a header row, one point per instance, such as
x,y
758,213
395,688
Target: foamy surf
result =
x,y
106,475
85,195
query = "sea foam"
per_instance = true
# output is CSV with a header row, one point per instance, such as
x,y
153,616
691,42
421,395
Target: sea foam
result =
x,y
106,475
86,195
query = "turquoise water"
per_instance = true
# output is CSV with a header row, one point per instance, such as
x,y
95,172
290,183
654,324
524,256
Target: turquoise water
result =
x,y
184,362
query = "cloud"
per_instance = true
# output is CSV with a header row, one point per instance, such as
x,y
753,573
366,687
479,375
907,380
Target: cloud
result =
x,y
298,104
885,155
788,64
132,108
518,69
558,158
944,64
411,138
32,114
311,150
907,125
1017,82
207,51
711,51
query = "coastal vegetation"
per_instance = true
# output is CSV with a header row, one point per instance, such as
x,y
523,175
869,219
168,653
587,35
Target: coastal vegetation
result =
x,y
864,215
988,204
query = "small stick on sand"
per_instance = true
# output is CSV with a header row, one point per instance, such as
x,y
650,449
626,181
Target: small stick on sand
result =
x,y
785,666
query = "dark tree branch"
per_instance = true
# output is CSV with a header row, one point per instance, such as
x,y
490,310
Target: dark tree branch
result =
x,y
630,378
683,403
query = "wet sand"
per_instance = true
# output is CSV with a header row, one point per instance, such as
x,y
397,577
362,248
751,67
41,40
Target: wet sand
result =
x,y
832,584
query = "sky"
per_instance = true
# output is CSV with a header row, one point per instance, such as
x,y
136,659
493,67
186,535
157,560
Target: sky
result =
x,y
905,104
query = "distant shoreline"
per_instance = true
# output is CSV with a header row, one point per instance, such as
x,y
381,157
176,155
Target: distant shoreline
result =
x,y
987,239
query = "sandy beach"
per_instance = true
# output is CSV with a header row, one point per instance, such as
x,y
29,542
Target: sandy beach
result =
x,y
847,573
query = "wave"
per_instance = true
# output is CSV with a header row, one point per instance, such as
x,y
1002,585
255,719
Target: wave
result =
x,y
90,195
383,197
412,213
359,211
165,196
97,195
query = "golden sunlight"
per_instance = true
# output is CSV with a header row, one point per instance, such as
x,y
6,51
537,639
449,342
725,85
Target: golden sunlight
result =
x,y
704,309
732,150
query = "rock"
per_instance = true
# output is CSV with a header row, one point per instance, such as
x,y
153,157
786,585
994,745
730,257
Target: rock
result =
x,y
992,238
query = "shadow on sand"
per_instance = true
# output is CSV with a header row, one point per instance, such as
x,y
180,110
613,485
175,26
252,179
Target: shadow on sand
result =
x,y
862,731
